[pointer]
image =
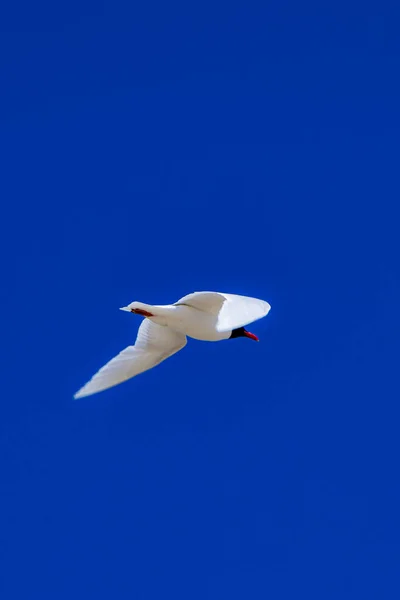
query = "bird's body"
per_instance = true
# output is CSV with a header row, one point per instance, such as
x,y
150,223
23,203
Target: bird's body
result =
x,y
194,323
206,316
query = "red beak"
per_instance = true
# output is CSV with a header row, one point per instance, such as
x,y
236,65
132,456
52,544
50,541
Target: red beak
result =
x,y
251,336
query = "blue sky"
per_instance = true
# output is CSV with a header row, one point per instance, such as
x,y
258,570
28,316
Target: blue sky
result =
x,y
152,150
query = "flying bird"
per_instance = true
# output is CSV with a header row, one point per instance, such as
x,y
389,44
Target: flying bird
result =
x,y
207,316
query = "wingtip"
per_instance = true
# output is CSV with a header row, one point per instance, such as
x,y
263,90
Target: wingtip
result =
x,y
80,393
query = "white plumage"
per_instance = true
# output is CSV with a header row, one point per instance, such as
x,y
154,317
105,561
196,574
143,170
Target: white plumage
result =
x,y
208,316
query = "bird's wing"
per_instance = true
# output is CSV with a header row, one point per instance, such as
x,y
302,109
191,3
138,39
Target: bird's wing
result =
x,y
154,343
232,311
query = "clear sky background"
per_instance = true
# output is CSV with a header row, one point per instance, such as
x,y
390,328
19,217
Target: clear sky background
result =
x,y
149,150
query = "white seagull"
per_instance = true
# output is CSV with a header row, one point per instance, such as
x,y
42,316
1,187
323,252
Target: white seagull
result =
x,y
208,316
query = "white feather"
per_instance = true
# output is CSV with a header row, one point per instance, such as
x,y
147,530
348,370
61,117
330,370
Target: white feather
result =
x,y
154,344
232,311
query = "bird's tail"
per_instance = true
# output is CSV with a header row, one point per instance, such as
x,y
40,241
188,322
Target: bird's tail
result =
x,y
148,310
140,308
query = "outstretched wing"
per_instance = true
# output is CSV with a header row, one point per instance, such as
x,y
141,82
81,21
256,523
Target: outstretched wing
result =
x,y
232,311
154,343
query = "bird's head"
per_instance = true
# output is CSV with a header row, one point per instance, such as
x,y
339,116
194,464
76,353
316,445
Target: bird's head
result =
x,y
242,332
